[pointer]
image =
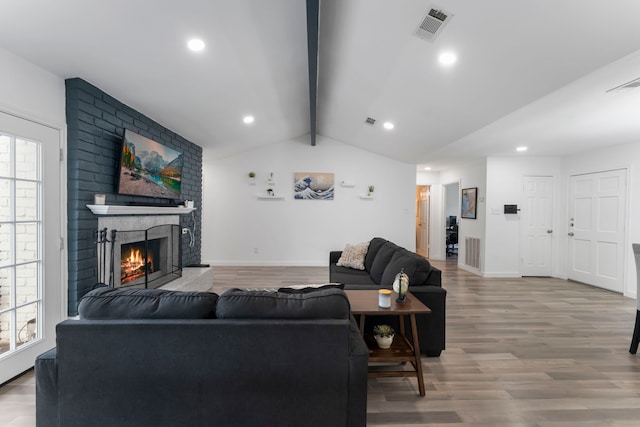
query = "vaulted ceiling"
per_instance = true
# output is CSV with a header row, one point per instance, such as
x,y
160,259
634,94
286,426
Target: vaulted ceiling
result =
x,y
527,73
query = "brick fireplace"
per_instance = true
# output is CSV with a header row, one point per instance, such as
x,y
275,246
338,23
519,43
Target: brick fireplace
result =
x,y
95,130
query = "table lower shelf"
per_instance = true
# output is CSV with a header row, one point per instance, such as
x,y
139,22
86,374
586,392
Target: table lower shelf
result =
x,y
401,350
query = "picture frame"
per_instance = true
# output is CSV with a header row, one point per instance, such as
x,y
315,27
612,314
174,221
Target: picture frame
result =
x,y
469,203
313,186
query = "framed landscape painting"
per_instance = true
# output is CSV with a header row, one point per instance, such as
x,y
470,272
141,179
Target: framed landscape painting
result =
x,y
468,204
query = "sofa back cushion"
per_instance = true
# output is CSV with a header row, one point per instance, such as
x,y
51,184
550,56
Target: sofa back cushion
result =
x,y
415,267
326,303
374,246
381,260
109,303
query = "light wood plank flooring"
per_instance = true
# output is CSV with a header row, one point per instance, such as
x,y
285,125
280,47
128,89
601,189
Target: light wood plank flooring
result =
x,y
532,352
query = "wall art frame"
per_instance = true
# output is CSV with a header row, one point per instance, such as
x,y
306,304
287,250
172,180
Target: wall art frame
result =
x,y
469,203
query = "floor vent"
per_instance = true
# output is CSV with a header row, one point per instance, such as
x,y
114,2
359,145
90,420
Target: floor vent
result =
x,y
433,24
472,252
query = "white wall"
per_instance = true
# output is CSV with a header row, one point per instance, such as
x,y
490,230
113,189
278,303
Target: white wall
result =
x,y
625,156
472,175
31,92
504,187
302,232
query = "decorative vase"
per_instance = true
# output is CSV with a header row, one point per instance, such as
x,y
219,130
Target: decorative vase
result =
x,y
401,285
384,341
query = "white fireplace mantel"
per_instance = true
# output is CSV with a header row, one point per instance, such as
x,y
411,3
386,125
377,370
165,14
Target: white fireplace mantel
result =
x,y
139,210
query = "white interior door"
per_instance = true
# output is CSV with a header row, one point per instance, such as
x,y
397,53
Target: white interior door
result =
x,y
596,229
31,287
536,225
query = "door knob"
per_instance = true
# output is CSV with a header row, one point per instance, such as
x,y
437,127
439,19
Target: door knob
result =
x,y
549,231
570,233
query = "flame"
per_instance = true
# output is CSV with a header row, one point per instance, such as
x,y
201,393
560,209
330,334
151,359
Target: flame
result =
x,y
134,265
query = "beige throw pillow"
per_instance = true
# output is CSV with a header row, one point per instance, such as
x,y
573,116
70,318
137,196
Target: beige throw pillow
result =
x,y
353,256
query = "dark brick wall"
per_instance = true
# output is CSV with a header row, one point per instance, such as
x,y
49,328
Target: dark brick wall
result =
x,y
95,129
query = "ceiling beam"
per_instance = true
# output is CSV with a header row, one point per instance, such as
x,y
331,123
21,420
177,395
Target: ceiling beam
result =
x,y
313,13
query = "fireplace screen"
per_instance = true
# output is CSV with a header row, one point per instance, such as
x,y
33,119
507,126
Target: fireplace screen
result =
x,y
141,258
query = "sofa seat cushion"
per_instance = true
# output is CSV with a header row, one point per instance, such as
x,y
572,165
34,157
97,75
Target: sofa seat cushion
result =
x,y
415,267
109,303
326,303
349,276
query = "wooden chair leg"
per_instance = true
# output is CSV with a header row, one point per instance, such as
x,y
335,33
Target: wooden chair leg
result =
x,y
636,335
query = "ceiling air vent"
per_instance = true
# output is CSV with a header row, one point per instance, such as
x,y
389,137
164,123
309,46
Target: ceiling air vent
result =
x,y
629,85
370,121
433,24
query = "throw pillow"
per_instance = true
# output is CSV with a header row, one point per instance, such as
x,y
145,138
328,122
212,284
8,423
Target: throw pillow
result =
x,y
353,256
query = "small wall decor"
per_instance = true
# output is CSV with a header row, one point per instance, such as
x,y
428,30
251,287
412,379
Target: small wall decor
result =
x,y
469,202
313,186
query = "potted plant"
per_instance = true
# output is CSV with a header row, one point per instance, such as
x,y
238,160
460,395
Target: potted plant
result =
x,y
371,188
252,177
384,335
270,192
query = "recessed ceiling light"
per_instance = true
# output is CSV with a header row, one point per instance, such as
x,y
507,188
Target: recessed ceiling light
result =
x,y
427,168
248,119
195,45
447,58
521,149
388,125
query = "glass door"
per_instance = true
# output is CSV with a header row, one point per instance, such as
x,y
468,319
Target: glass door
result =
x,y
30,255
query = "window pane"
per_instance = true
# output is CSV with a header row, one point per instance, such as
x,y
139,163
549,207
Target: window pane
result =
x,y
5,332
5,200
26,242
5,287
26,324
27,159
27,283
6,244
26,200
5,155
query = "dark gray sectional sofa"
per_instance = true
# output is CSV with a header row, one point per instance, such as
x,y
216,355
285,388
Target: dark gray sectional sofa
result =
x,y
385,259
148,357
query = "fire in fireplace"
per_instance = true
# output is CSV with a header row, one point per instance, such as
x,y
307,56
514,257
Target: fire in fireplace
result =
x,y
138,259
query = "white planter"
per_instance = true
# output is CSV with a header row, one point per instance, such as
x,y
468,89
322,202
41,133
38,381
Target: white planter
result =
x,y
384,342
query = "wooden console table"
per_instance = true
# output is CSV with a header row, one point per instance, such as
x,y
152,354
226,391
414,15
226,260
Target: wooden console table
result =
x,y
365,303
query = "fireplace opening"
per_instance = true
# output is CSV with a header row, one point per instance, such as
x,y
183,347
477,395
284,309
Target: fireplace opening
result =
x,y
138,259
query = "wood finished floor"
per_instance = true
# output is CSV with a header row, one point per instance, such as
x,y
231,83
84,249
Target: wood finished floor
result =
x,y
532,352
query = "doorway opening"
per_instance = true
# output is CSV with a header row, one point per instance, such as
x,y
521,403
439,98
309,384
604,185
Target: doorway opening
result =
x,y
422,220
451,219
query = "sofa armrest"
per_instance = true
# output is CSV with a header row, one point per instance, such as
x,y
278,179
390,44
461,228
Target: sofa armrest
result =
x,y
46,369
435,277
358,374
334,256
431,326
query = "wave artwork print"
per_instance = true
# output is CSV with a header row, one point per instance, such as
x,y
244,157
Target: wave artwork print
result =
x,y
313,186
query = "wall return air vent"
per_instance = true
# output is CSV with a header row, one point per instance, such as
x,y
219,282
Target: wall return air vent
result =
x,y
433,24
